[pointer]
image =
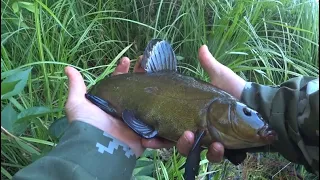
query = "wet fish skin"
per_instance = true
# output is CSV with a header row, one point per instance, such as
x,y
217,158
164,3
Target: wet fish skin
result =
x,y
173,103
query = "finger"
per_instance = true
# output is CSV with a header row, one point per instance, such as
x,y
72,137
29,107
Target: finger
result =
x,y
122,67
220,74
208,62
156,143
77,88
215,152
137,66
185,143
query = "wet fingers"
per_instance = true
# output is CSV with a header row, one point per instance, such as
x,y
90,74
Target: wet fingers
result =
x,y
215,152
122,67
185,143
137,66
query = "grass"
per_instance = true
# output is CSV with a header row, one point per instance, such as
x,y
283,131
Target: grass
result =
x,y
265,41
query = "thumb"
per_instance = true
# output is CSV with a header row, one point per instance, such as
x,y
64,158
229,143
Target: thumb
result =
x,y
221,76
208,62
77,88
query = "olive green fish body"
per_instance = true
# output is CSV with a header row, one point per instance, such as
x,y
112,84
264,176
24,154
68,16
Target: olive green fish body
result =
x,y
172,103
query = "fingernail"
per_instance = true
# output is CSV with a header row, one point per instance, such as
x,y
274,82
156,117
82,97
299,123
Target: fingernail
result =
x,y
66,70
188,137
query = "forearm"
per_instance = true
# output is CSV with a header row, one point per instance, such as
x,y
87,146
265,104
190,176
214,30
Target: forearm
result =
x,y
292,109
84,152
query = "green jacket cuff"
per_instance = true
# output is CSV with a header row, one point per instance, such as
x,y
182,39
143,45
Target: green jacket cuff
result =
x,y
292,111
84,152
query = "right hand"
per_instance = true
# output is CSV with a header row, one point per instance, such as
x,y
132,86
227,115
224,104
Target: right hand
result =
x,y
221,77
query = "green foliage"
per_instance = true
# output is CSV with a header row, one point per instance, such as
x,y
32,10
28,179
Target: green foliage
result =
x,y
14,83
265,41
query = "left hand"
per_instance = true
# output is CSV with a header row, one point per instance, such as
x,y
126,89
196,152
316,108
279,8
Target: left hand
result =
x,y
78,108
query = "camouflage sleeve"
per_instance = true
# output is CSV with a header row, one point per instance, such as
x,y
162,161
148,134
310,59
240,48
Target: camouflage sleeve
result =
x,y
292,109
84,152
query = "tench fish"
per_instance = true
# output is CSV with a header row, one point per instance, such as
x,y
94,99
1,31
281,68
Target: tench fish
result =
x,y
164,103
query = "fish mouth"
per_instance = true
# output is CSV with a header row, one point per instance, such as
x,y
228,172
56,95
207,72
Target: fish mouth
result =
x,y
267,134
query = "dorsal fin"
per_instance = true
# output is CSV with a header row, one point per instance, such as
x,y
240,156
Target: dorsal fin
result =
x,y
159,56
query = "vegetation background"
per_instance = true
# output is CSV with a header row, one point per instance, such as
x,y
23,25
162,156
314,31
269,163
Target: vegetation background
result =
x,y
265,41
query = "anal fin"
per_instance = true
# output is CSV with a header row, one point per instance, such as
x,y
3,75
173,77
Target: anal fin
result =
x,y
138,126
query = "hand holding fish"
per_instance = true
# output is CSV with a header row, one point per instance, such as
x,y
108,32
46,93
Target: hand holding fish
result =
x,y
218,73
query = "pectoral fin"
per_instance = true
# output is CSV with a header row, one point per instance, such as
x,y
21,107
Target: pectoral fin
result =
x,y
138,126
102,104
193,159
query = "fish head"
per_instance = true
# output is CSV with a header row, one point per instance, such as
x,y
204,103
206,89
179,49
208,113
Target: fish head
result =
x,y
237,126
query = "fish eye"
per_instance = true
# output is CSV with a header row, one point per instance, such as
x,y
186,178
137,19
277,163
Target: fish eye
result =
x,y
246,111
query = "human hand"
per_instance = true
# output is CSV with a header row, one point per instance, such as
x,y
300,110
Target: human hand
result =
x,y
80,109
221,77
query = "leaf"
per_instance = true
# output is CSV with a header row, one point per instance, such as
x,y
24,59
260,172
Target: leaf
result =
x,y
59,126
5,173
8,86
28,6
38,141
10,72
20,128
141,162
15,7
22,76
27,147
164,170
34,112
19,23
147,168
8,117
238,53
25,117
